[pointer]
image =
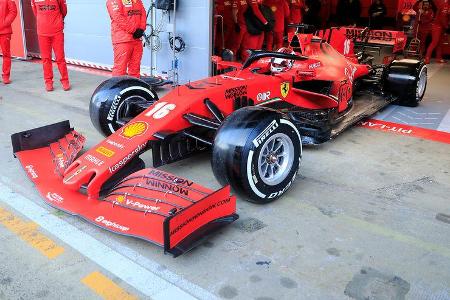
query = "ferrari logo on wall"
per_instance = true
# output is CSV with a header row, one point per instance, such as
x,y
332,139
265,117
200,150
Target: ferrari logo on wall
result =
x,y
285,87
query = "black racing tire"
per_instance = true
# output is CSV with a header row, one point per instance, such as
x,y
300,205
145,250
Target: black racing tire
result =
x,y
245,153
406,79
118,100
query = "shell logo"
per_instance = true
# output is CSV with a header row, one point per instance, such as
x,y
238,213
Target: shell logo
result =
x,y
120,199
134,129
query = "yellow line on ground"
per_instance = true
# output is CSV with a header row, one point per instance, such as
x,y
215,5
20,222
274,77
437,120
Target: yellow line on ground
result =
x,y
384,231
28,231
105,287
389,233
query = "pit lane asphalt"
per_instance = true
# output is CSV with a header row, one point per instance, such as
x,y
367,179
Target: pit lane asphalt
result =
x,y
366,217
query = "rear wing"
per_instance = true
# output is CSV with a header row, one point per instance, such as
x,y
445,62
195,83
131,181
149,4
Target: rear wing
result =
x,y
361,36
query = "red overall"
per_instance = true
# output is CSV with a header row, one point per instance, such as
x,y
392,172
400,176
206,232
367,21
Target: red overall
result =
x,y
439,25
425,16
296,13
251,41
8,12
242,40
50,16
126,17
224,9
280,9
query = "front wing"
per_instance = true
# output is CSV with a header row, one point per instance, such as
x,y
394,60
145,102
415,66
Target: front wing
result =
x,y
150,204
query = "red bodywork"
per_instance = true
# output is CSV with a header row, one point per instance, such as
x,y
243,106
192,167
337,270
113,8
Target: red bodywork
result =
x,y
166,115
155,220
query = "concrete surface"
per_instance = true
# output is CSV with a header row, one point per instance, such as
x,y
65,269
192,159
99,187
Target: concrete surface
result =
x,y
367,219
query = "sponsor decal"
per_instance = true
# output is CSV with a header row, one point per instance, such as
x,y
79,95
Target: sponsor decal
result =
x,y
60,161
199,214
166,187
134,129
101,220
263,96
232,78
140,205
266,132
115,144
374,35
314,65
31,171
105,151
54,197
170,177
94,160
350,72
122,199
126,2
236,92
76,173
124,160
112,110
285,87
346,47
386,127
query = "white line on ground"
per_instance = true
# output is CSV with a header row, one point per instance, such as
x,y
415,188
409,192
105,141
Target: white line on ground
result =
x,y
142,279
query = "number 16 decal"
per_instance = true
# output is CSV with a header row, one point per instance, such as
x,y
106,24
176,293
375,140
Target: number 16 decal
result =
x,y
160,110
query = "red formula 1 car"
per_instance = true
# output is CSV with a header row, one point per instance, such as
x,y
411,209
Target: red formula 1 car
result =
x,y
254,117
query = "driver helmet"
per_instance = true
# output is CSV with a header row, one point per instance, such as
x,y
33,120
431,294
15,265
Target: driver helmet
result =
x,y
279,65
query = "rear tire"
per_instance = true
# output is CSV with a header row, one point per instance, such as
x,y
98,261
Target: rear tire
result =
x,y
406,79
118,100
258,152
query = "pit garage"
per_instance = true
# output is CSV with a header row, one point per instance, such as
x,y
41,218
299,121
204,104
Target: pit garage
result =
x,y
366,215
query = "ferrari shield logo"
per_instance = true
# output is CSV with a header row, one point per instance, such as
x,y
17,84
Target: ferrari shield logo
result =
x,y
285,87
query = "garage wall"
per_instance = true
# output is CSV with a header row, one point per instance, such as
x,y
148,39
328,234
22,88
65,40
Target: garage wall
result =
x,y
87,34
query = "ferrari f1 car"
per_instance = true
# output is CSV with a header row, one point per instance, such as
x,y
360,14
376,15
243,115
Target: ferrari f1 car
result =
x,y
254,117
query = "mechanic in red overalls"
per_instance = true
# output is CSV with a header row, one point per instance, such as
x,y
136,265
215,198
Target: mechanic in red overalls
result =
x,y
280,9
242,40
439,25
8,12
296,13
253,41
223,8
128,23
425,10
50,16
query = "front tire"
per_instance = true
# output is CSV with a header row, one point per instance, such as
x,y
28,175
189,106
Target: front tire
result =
x,y
258,152
406,79
118,100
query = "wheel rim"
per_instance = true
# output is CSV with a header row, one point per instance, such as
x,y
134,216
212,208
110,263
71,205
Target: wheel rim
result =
x,y
421,83
276,159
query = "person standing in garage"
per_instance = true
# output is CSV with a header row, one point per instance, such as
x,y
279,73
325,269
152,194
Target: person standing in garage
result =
x,y
242,40
425,10
296,13
8,12
280,9
128,23
50,16
438,27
